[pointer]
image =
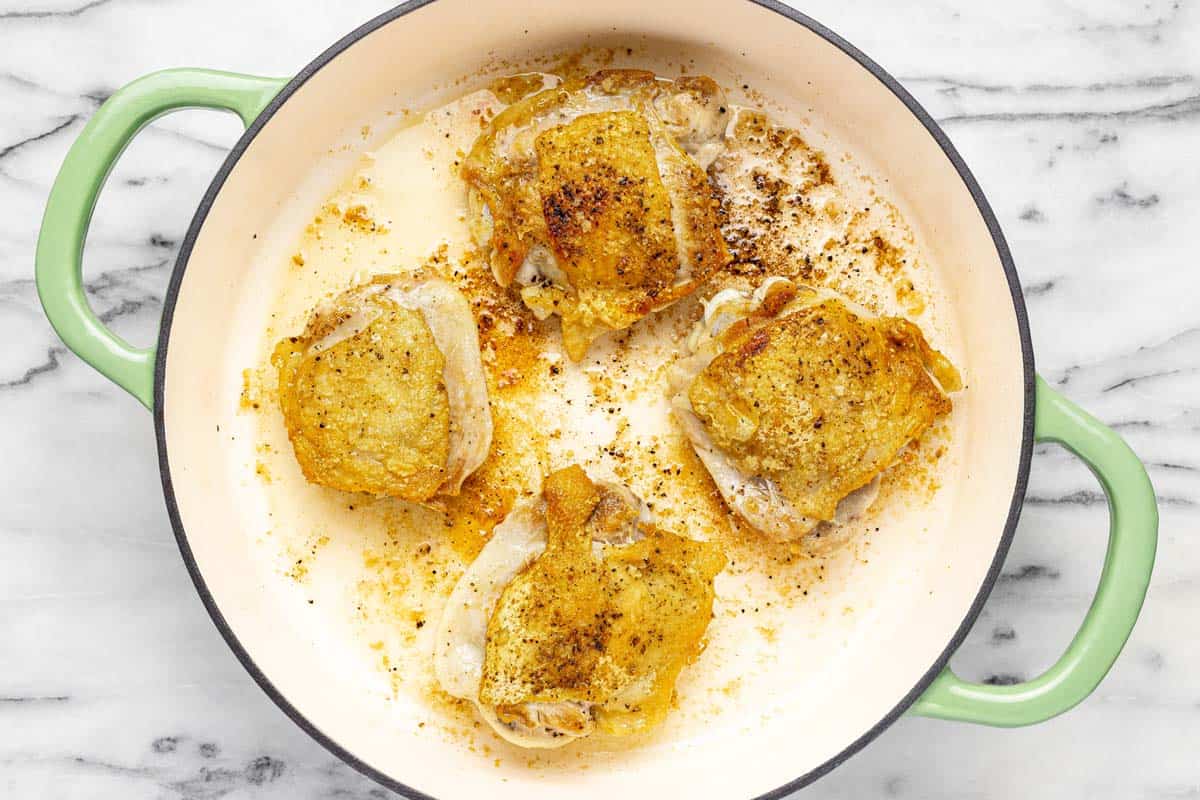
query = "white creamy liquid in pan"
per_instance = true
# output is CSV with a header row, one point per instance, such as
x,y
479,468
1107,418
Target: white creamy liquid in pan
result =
x,y
367,578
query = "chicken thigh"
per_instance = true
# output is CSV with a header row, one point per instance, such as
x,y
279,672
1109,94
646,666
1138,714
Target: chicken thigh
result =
x,y
796,400
592,198
577,616
384,391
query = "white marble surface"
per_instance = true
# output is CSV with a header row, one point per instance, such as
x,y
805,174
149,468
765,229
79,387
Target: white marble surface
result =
x,y
1081,120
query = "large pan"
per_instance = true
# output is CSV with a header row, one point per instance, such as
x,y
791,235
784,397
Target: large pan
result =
x,y
191,379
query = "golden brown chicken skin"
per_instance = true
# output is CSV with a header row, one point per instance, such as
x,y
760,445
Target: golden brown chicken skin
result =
x,y
595,614
613,630
807,401
590,197
383,392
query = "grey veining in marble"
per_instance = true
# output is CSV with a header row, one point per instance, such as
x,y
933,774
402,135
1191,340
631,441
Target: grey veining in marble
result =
x,y
1081,121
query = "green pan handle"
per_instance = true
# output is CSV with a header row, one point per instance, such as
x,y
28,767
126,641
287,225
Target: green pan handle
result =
x,y
1132,537
73,198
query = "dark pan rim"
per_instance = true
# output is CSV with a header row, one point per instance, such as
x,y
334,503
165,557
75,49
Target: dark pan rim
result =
x,y
880,74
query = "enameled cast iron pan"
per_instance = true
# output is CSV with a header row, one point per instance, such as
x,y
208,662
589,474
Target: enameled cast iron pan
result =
x,y
191,378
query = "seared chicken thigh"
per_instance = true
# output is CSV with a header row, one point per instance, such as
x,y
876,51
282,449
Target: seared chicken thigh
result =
x,y
592,198
796,400
577,616
384,391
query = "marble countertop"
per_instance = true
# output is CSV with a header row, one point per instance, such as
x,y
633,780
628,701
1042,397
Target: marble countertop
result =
x,y
1081,121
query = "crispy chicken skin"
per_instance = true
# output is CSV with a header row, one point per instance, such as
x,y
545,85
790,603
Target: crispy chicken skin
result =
x,y
384,392
578,617
592,198
796,401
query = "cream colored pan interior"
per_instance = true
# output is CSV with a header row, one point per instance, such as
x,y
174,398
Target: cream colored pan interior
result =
x,y
851,654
